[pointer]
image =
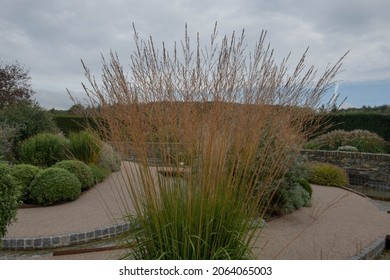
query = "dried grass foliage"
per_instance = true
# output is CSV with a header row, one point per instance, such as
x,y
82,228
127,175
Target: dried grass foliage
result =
x,y
234,118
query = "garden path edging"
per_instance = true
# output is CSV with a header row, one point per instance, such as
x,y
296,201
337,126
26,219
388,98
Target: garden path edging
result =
x,y
372,250
48,242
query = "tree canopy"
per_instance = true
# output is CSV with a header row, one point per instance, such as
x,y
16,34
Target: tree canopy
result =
x,y
15,85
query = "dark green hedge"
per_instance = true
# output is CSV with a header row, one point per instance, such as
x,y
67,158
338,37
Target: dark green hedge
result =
x,y
374,122
71,123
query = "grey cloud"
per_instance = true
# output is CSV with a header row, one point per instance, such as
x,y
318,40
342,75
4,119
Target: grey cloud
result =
x,y
51,37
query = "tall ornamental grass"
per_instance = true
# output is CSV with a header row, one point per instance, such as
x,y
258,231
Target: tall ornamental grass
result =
x,y
215,121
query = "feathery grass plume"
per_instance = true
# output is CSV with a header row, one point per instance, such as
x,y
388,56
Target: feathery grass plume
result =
x,y
206,132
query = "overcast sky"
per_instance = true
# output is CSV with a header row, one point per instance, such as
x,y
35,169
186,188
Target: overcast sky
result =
x,y
49,37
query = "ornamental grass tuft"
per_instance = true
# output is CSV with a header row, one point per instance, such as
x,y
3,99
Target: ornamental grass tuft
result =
x,y
207,132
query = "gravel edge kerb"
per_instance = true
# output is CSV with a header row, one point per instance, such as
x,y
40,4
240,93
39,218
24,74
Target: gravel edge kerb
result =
x,y
47,242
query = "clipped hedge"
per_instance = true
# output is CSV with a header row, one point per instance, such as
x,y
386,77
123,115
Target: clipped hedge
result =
x,y
72,123
374,122
54,185
82,172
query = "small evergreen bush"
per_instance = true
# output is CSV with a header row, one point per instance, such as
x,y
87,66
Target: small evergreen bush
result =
x,y
44,149
99,173
296,198
84,146
294,190
109,158
24,174
327,175
305,185
9,198
54,185
80,170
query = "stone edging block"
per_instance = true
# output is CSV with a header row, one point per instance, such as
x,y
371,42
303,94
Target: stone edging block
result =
x,y
47,242
371,251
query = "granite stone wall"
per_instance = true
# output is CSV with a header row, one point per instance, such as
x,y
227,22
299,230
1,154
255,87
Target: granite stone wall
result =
x,y
362,168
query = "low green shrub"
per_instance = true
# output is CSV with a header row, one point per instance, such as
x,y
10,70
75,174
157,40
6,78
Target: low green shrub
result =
x,y
294,191
109,158
363,140
84,146
54,185
296,198
99,173
305,185
9,198
44,149
288,198
327,175
80,170
24,174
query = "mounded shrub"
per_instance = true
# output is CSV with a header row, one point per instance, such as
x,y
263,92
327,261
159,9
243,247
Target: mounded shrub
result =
x,y
84,146
294,190
24,174
99,173
306,186
54,185
44,149
9,198
327,175
362,140
109,158
82,172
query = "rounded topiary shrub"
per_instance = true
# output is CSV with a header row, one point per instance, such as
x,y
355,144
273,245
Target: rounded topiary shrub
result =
x,y
54,185
327,175
99,173
80,170
24,174
109,158
9,198
44,149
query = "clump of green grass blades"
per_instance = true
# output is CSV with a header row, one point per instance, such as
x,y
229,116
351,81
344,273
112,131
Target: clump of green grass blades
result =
x,y
84,146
